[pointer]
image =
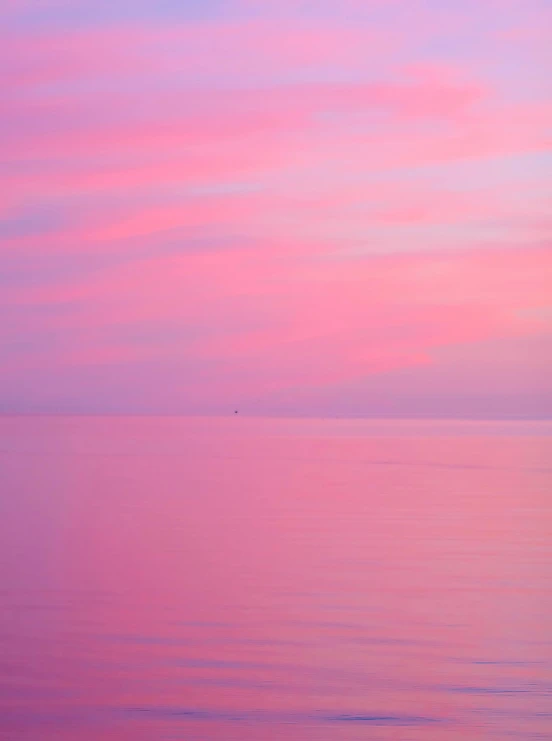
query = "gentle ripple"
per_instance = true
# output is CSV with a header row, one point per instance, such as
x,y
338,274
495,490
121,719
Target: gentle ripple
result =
x,y
170,579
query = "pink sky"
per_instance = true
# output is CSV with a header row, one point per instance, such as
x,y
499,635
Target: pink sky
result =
x,y
332,207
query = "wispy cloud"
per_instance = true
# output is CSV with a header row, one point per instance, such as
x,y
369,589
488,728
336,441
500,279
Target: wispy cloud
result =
x,y
263,199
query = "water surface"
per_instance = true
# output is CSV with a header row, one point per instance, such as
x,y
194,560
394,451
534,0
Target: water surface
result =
x,y
259,580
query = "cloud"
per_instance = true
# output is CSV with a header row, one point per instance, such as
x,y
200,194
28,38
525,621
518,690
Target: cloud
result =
x,y
239,312
263,199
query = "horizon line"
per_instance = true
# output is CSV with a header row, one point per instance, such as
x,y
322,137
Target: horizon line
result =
x,y
232,414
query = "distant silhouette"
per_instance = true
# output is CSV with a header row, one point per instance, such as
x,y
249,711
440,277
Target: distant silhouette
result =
x,y
236,411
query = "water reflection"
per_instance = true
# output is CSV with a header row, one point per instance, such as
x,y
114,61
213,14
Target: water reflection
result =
x,y
267,579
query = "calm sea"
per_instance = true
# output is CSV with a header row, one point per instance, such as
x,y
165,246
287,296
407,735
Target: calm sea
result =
x,y
238,579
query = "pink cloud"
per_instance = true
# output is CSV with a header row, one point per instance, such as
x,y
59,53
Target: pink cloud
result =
x,y
332,323
281,198
192,116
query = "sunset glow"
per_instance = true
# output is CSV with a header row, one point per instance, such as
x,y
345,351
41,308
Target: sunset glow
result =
x,y
334,207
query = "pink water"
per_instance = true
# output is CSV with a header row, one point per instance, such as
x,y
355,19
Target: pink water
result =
x,y
259,580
